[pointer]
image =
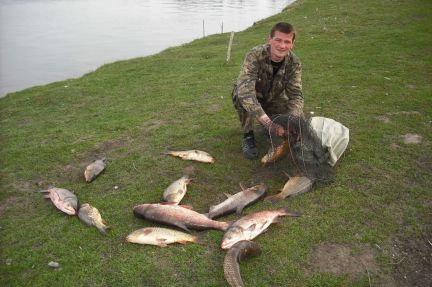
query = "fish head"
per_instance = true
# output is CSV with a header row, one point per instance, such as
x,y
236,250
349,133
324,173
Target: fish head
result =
x,y
69,208
232,236
261,189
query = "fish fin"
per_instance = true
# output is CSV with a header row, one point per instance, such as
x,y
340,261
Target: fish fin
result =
x,y
161,242
240,208
288,212
42,190
227,194
274,198
186,206
102,229
182,226
199,238
167,203
182,241
242,187
46,196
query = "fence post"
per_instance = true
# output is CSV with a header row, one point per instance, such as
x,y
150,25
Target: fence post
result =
x,y
229,47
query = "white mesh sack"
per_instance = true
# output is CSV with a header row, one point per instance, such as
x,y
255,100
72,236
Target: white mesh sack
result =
x,y
334,136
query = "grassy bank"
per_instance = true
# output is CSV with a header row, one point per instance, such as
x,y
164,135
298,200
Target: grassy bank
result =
x,y
365,63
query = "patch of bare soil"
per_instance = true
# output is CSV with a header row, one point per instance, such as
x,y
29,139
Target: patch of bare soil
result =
x,y
340,259
14,202
412,139
383,119
412,261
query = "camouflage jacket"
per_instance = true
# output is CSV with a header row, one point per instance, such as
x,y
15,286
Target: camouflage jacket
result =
x,y
257,87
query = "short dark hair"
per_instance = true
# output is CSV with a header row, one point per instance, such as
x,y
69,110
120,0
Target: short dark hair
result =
x,y
283,27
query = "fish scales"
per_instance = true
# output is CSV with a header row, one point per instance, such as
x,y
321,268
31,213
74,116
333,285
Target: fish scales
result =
x,y
62,199
275,154
238,201
91,216
175,192
252,225
94,169
195,155
234,256
177,215
159,236
294,186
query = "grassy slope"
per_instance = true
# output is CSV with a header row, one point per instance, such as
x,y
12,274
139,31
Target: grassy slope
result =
x,y
361,60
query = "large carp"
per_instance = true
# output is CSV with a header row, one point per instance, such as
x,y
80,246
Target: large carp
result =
x,y
252,225
159,236
294,186
238,201
175,192
235,254
63,199
94,169
178,216
91,216
196,155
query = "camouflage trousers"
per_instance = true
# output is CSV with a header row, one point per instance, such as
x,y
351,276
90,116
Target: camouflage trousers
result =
x,y
271,108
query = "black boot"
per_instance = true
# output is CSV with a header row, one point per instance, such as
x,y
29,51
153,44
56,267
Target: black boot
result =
x,y
248,146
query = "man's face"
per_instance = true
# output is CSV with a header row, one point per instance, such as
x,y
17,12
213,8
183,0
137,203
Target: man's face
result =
x,y
280,45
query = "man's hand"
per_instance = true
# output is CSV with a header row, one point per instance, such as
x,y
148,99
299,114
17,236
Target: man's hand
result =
x,y
272,127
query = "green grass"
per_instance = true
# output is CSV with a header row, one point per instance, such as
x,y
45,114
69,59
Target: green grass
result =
x,y
361,60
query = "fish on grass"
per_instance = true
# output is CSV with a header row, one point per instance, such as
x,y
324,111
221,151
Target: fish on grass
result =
x,y
91,216
63,199
160,236
238,201
294,186
94,169
177,215
196,155
175,192
275,154
252,225
237,253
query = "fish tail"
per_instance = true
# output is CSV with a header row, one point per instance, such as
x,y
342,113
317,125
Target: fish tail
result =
x,y
102,228
274,198
286,211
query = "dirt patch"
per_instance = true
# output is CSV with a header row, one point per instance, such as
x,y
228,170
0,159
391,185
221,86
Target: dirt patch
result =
x,y
14,202
412,261
412,139
340,259
405,113
383,119
213,109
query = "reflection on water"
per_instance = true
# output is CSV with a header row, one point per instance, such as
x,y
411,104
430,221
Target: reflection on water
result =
x,y
49,40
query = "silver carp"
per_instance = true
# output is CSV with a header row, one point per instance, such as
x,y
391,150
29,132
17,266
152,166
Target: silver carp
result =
x,y
63,199
178,216
294,186
238,201
175,192
196,155
235,254
91,216
94,169
160,236
252,225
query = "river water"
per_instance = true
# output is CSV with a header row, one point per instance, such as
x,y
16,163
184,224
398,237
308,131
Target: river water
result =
x,y
43,41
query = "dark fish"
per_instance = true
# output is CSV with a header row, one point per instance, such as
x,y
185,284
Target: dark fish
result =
x,y
177,215
235,254
238,201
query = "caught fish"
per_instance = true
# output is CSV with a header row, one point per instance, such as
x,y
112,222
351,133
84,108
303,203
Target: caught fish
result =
x,y
275,154
160,236
252,225
177,215
63,199
294,186
235,254
94,169
175,192
91,216
196,155
238,201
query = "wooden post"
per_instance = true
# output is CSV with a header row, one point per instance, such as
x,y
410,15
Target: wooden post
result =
x,y
229,47
203,29
222,28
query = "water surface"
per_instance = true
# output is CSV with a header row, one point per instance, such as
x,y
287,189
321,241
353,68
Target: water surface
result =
x,y
42,41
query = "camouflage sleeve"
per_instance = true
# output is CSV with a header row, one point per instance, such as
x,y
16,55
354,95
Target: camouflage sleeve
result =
x,y
294,91
246,92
